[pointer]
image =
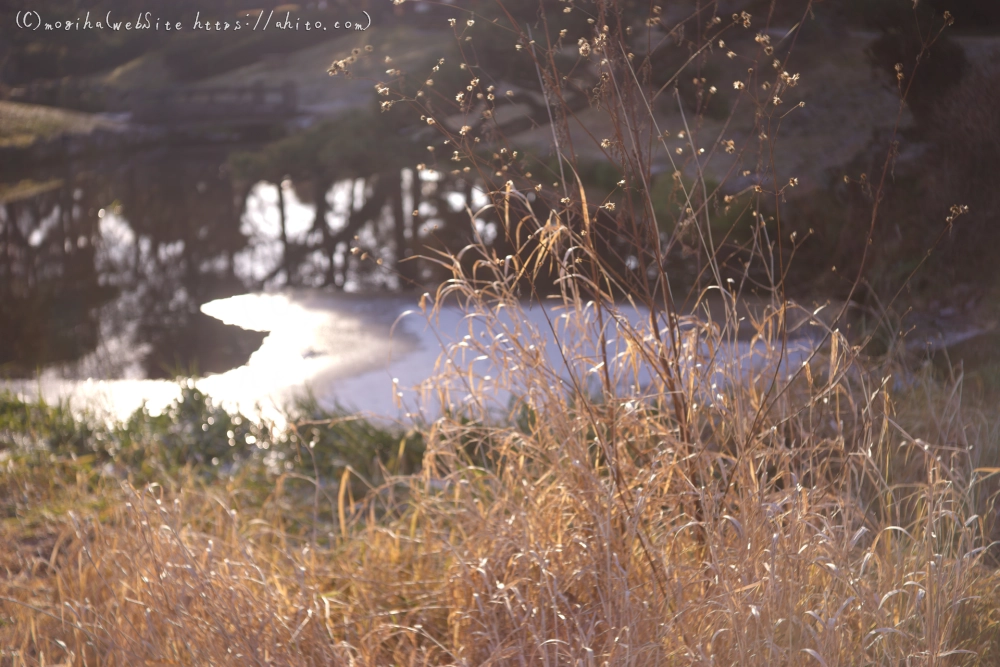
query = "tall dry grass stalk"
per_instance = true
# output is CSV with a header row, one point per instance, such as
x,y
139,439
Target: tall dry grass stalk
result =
x,y
657,492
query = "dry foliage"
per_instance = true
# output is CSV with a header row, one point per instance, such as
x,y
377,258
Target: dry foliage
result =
x,y
662,490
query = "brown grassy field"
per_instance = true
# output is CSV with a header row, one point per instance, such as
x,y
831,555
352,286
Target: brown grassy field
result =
x,y
654,495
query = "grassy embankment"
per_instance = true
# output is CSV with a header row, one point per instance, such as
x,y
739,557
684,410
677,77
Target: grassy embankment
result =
x,y
24,124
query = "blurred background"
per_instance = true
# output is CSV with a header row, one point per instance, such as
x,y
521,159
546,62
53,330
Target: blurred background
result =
x,y
145,173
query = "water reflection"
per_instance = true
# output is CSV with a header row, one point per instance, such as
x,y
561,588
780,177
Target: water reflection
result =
x,y
106,262
105,268
134,268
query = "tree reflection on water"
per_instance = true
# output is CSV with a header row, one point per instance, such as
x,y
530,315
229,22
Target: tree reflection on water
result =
x,y
105,262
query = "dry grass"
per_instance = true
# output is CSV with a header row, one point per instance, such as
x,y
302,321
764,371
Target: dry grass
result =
x,y
656,494
593,532
23,124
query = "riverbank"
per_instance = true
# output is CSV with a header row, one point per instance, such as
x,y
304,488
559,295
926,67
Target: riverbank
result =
x,y
31,132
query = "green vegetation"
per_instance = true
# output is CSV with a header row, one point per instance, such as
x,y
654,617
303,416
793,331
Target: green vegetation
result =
x,y
26,189
23,124
194,436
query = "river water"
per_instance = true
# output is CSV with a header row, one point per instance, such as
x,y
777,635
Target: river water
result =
x,y
106,261
118,272
119,275
370,353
